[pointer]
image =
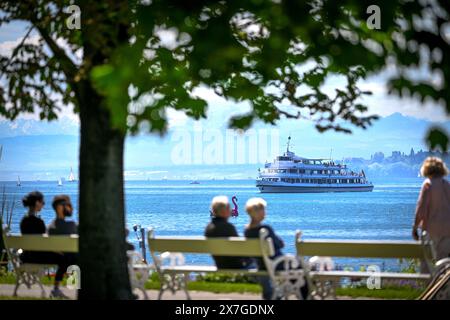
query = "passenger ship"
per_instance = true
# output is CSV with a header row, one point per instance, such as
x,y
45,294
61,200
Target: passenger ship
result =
x,y
291,173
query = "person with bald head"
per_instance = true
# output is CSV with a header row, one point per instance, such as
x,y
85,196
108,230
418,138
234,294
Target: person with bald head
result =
x,y
219,227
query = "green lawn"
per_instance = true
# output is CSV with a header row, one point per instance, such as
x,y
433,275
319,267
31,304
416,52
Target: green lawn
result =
x,y
216,287
383,293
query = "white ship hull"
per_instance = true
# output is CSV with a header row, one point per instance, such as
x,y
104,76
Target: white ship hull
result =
x,y
299,188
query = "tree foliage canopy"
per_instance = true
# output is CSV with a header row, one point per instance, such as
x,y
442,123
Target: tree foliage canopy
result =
x,y
273,55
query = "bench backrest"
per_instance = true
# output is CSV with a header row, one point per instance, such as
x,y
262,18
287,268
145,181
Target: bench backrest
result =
x,y
361,249
56,243
233,246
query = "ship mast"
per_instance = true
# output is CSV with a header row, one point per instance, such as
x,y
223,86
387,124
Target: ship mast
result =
x,y
288,143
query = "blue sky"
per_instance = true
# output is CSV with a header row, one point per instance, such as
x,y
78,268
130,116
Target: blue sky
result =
x,y
40,150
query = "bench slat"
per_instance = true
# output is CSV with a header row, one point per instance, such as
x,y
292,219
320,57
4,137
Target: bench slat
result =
x,y
361,249
57,243
203,268
215,246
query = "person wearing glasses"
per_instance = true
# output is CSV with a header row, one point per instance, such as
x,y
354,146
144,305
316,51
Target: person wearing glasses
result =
x,y
61,226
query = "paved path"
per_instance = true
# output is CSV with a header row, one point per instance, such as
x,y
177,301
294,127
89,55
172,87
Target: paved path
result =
x,y
35,292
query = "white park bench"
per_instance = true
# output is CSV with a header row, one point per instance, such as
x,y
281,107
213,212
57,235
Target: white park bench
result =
x,y
174,275
29,274
324,281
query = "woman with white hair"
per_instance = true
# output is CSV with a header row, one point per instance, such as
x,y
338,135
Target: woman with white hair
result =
x,y
256,209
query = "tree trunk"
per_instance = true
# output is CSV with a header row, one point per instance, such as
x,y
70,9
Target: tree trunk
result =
x,y
102,251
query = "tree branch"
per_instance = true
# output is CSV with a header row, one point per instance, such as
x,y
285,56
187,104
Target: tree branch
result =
x,y
67,65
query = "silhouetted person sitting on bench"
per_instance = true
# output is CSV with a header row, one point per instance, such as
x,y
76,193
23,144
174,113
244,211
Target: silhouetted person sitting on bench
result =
x,y
219,227
32,224
60,226
256,209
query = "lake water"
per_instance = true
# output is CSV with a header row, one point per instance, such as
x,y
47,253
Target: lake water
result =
x,y
179,208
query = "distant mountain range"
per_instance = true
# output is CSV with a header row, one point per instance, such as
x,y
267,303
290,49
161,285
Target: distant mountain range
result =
x,y
46,151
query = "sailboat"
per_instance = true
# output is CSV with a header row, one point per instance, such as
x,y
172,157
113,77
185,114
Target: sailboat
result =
x,y
71,176
18,181
60,182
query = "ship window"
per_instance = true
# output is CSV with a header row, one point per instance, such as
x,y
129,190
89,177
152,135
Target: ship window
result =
x,y
302,170
293,171
297,180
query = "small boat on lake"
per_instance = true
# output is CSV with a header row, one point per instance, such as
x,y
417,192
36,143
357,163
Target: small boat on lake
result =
x,y
71,176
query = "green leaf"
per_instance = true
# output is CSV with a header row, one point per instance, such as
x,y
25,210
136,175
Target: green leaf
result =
x,y
437,137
